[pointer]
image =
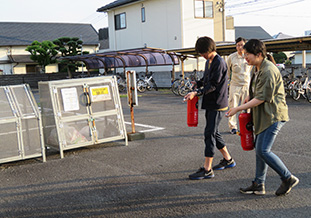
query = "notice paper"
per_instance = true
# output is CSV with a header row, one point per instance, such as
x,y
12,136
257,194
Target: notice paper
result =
x,y
70,99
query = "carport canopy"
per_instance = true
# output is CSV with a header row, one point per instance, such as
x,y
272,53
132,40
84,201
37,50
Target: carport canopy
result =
x,y
272,45
142,57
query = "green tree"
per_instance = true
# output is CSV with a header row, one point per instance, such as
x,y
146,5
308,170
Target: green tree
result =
x,y
69,47
43,53
287,62
280,57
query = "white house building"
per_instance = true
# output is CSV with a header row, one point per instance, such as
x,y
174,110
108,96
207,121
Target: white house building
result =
x,y
302,57
166,24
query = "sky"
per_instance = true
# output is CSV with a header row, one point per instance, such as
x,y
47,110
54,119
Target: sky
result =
x,y
291,17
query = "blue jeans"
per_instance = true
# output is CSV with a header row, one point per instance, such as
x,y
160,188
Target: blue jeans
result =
x,y
264,156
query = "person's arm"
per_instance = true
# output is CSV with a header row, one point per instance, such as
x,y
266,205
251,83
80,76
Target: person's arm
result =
x,y
250,104
229,67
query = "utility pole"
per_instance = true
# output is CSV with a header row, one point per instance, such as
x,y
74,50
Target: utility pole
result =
x,y
223,21
221,8
82,53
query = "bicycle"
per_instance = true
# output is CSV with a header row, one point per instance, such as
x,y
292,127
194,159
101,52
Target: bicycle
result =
x,y
141,85
183,86
308,91
121,83
147,83
288,83
306,87
187,87
190,83
301,86
176,84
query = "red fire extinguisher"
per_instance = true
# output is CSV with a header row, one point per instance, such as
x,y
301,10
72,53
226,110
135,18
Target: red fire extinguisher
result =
x,y
246,131
192,112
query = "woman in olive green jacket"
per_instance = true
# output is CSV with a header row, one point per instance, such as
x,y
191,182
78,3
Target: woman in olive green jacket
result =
x,y
269,110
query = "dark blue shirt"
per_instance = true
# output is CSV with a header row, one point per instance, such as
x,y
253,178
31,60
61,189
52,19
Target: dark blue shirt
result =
x,y
214,84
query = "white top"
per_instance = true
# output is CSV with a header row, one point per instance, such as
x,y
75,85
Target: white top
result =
x,y
238,70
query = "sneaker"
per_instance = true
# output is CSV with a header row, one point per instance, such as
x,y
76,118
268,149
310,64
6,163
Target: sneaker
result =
x,y
233,131
257,189
287,185
224,164
202,174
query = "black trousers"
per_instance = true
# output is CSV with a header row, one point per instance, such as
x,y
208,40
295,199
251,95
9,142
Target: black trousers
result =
x,y
212,136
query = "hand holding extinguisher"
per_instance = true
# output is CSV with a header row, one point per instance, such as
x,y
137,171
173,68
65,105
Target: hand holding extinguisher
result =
x,y
246,131
192,110
245,120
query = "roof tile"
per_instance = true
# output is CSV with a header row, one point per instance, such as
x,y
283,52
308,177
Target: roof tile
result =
x,y
22,33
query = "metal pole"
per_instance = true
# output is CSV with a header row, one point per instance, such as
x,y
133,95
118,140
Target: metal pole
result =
x,y
129,91
132,116
82,52
304,54
223,20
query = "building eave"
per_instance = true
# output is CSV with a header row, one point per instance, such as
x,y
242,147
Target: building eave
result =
x,y
116,4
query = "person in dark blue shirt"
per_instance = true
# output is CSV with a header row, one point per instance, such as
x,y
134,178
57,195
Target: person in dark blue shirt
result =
x,y
214,88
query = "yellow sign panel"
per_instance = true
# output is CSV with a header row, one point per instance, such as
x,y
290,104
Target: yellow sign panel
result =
x,y
100,93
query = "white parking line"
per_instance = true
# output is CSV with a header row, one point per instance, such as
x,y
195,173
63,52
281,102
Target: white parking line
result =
x,y
150,128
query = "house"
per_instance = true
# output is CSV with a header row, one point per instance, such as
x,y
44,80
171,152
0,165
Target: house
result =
x,y
16,36
298,57
281,35
251,32
165,24
302,57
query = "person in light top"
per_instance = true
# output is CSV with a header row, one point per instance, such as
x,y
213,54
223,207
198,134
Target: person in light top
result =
x,y
239,76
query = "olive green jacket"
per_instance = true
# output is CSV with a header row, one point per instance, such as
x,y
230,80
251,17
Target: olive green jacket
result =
x,y
268,86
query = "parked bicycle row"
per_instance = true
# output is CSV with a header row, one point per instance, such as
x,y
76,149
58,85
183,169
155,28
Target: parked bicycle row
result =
x,y
144,81
182,86
298,86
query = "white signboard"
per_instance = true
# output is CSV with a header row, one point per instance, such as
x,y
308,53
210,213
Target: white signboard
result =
x,y
100,93
70,99
131,80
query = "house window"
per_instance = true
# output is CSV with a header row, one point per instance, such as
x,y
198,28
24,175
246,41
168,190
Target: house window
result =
x,y
203,9
120,21
143,15
32,69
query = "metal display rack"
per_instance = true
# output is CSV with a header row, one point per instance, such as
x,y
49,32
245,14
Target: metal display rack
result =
x,y
81,112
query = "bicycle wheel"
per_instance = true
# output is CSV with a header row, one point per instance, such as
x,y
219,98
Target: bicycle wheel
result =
x,y
286,87
154,86
183,90
308,92
149,86
175,86
121,87
295,90
141,85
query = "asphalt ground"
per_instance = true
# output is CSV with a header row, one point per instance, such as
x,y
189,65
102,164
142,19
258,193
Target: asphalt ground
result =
x,y
149,177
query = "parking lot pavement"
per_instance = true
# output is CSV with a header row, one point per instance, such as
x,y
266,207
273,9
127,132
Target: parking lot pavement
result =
x,y
149,178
